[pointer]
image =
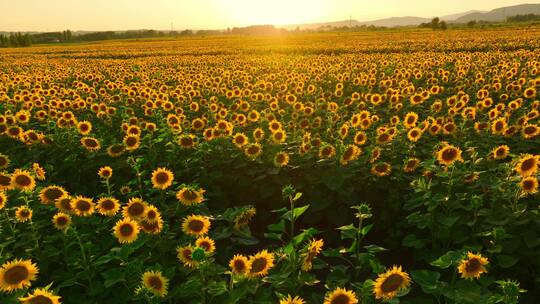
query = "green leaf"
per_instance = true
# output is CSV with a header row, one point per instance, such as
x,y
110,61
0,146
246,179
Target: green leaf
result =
x,y
217,288
348,232
448,259
279,227
113,276
506,261
428,280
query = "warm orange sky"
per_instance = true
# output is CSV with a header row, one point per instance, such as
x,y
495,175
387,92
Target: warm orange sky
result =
x,y
54,15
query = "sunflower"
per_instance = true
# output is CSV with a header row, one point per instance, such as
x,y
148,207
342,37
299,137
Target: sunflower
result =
x,y
360,138
351,152
240,140
279,136
23,214
314,248
40,296
116,150
527,165
410,120
290,300
82,206
184,254
253,150
529,185
381,169
22,180
135,208
472,266
391,282
3,199
126,230
105,172
239,264
4,161
341,296
500,152
206,243
17,274
38,171
64,204
448,154
414,134
281,159
50,194
155,282
125,190
411,165
107,206
91,144
152,227
61,221
5,182
530,131
188,196
327,151
196,225
152,214
244,218
187,141
84,127
260,263
131,142
162,178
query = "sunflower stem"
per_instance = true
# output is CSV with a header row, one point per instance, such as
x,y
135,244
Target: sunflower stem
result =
x,y
291,200
85,259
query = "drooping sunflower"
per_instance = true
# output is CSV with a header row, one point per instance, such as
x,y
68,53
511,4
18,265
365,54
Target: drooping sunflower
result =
x,y
388,284
135,208
281,159
4,161
82,206
126,230
90,144
17,274
50,194
22,180
529,185
105,172
448,154
162,178
260,263
527,165
500,152
155,282
206,243
381,169
40,296
196,225
188,196
61,221
3,199
314,248
184,254
341,296
108,206
116,150
472,266
239,264
244,218
39,171
23,214
351,153
290,300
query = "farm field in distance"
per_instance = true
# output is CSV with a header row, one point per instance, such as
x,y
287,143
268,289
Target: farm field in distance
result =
x,y
338,168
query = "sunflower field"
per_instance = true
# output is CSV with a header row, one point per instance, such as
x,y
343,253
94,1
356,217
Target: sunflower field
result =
x,y
335,168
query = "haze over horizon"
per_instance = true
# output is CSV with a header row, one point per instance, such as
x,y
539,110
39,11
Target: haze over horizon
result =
x,y
101,15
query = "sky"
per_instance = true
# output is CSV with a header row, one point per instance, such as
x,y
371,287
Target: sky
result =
x,y
96,15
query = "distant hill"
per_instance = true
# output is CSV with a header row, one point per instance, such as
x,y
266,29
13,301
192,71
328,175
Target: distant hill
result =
x,y
500,14
496,15
459,15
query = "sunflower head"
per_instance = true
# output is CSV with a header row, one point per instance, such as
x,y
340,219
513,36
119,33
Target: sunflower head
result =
x,y
22,180
155,282
206,243
290,300
61,221
529,185
105,172
23,214
82,206
472,266
189,196
108,206
448,154
527,165
51,194
17,274
390,283
260,263
239,264
341,296
196,225
185,255
162,178
126,230
40,296
135,208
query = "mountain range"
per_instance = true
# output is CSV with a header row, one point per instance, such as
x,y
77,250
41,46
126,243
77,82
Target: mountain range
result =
x,y
495,15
